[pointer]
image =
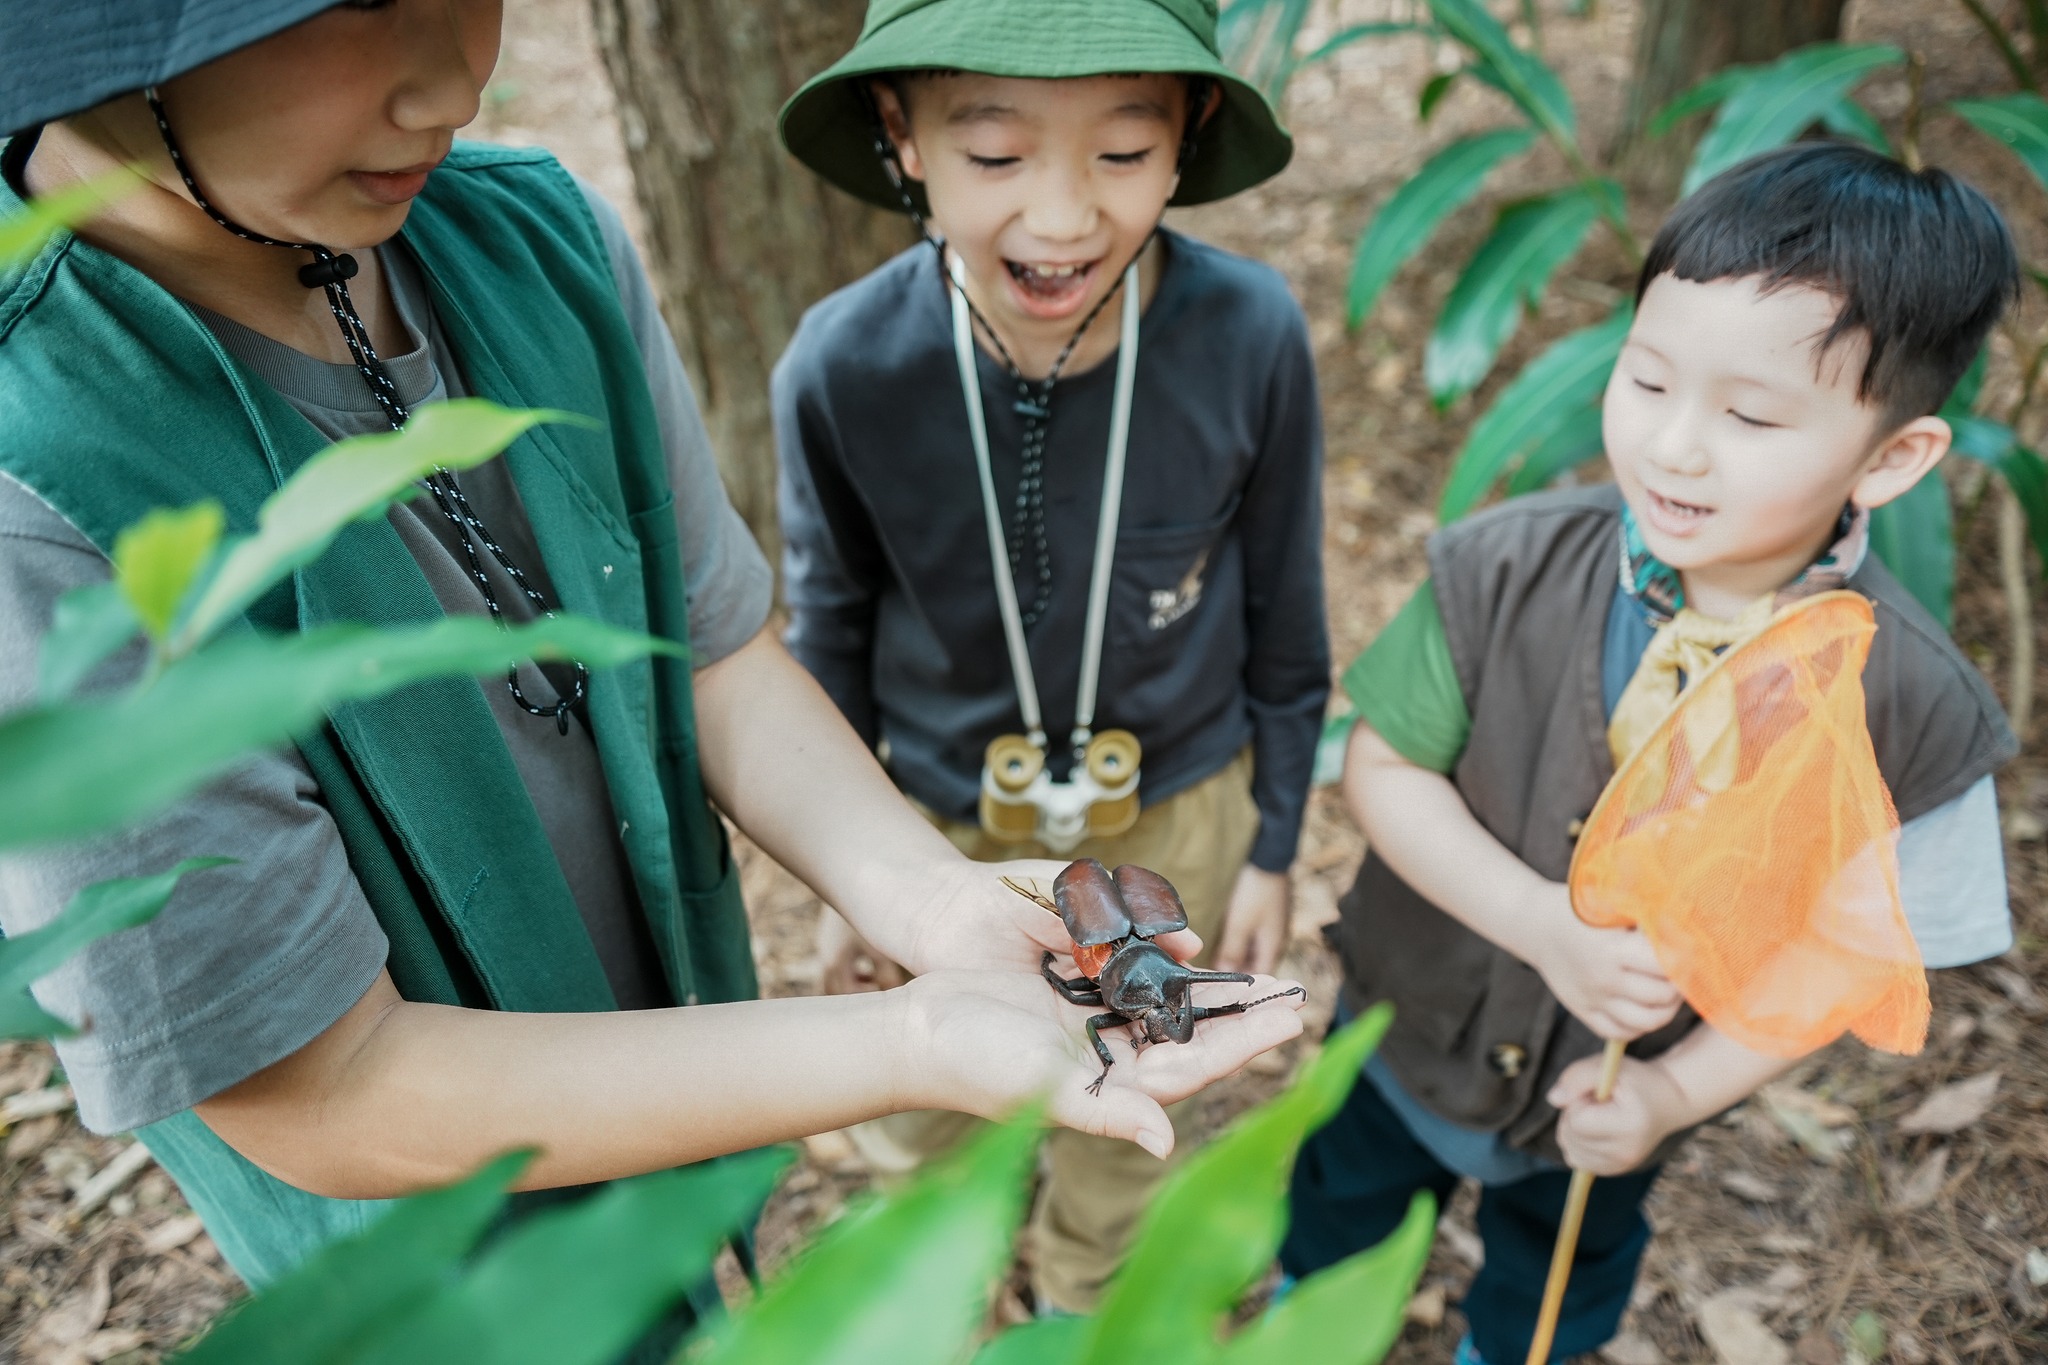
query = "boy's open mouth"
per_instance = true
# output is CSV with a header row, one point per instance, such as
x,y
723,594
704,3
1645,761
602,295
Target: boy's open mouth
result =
x,y
1050,289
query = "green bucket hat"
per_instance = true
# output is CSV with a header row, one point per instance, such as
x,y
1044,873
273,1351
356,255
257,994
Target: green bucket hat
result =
x,y
828,124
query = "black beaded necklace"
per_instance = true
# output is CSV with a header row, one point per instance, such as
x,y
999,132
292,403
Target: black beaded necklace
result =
x,y
1034,398
331,271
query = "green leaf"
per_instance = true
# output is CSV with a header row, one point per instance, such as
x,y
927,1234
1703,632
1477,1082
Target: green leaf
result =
x,y
1350,1314
2019,121
350,481
1912,535
1345,37
1867,1335
580,1284
347,1290
1504,277
1995,444
99,910
1845,118
1214,1225
81,766
1446,181
1533,86
1551,390
90,624
1783,100
22,235
908,1280
1258,38
1440,85
1963,397
1702,97
157,559
1580,439
1048,1341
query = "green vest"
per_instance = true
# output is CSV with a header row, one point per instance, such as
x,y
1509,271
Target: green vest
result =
x,y
115,398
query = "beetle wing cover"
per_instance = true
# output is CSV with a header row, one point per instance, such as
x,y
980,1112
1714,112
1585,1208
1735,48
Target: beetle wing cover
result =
x,y
1154,905
1090,904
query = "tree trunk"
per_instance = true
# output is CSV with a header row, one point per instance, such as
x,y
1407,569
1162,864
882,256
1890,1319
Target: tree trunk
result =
x,y
743,238
1679,43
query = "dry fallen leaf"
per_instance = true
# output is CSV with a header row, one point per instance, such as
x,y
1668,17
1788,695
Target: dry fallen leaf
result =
x,y
1821,1142
171,1235
1826,1112
1747,1185
1922,1185
105,1345
77,1315
1427,1307
1738,1336
1631,1348
1952,1108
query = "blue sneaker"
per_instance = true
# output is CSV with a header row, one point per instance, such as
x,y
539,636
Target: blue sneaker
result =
x,y
1467,1353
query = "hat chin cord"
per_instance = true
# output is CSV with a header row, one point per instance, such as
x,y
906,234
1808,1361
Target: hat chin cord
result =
x,y
332,270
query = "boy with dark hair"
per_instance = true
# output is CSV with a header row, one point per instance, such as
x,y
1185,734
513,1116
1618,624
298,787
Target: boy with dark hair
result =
x,y
1051,489
1800,319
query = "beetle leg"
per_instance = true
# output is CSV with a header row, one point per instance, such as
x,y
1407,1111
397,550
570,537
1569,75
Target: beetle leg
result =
x,y
1102,1021
1079,991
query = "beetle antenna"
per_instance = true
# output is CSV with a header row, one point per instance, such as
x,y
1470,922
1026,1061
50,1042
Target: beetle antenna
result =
x,y
1277,995
1032,894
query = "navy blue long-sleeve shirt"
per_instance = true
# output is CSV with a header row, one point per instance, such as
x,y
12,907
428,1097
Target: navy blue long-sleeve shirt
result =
x,y
1216,635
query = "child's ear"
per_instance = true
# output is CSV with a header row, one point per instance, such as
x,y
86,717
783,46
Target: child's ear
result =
x,y
1901,460
1210,104
896,123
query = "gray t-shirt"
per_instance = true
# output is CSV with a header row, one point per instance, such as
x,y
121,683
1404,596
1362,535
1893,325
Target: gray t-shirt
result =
x,y
250,962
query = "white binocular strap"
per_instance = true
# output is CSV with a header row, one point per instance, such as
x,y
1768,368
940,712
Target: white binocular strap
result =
x,y
1105,530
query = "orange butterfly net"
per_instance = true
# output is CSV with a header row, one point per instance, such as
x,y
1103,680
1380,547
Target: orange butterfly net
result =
x,y
1752,840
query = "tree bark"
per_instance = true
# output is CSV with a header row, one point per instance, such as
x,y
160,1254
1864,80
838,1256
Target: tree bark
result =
x,y
1679,43
742,237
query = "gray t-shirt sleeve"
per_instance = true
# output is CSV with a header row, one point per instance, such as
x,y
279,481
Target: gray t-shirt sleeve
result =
x,y
731,587
1952,879
247,963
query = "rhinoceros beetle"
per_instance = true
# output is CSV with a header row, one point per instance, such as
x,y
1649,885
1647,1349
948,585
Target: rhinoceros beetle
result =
x,y
1113,918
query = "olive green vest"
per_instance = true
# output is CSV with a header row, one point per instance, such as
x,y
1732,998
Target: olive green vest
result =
x,y
1524,590
114,399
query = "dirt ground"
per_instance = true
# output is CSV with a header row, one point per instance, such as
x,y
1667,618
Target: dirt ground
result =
x,y
1808,1226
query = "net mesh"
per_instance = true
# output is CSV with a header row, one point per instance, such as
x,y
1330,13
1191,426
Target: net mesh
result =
x,y
1753,841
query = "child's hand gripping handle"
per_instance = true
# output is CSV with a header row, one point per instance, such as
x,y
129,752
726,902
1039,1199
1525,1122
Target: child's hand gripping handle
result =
x,y
1568,1230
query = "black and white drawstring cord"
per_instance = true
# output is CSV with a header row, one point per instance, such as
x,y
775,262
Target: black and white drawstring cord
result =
x,y
1034,399
331,271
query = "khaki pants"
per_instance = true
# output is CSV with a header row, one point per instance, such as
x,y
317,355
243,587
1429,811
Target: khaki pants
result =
x,y
1095,1187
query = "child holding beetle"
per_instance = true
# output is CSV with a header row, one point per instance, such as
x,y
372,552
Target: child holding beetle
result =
x,y
1050,486
472,916
1800,320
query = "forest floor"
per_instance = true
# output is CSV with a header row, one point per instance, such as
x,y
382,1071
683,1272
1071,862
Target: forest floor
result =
x,y
1786,1231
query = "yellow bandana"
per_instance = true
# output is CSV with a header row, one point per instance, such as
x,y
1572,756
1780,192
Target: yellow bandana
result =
x,y
1682,649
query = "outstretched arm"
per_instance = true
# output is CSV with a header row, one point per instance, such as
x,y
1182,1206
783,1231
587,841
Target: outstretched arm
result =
x,y
396,1095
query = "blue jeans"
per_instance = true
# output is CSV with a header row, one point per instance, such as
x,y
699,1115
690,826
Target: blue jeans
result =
x,y
1352,1184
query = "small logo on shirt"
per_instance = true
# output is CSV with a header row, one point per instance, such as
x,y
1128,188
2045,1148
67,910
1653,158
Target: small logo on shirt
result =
x,y
1170,604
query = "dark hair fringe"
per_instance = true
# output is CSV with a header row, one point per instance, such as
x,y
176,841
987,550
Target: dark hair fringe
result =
x,y
1921,261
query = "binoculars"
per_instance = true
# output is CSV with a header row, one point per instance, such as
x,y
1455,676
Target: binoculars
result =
x,y
1099,800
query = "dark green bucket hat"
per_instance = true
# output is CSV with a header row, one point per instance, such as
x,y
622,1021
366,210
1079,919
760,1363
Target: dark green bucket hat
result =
x,y
829,126
67,55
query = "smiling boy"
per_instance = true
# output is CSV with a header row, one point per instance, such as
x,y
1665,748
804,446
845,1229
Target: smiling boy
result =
x,y
1799,321
1060,476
